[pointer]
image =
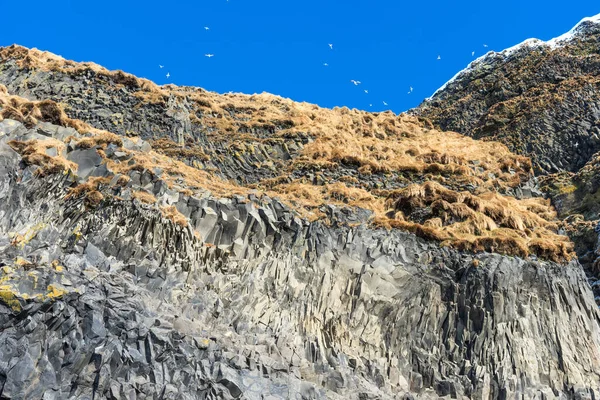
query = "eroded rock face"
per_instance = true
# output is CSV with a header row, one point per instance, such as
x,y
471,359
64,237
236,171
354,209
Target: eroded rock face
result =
x,y
92,97
116,301
541,100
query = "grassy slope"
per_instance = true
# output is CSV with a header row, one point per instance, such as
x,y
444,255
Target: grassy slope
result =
x,y
448,187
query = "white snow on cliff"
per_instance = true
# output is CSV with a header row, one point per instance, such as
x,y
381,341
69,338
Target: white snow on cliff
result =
x,y
552,43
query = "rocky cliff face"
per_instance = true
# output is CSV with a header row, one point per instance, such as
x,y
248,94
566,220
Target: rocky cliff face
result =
x,y
541,99
164,242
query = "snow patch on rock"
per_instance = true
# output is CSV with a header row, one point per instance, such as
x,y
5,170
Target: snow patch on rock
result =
x,y
532,42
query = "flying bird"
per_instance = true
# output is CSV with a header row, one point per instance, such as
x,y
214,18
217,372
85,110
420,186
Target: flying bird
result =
x,y
325,65
472,54
168,75
385,104
160,66
410,90
439,57
485,45
366,91
331,46
370,105
206,28
209,55
356,83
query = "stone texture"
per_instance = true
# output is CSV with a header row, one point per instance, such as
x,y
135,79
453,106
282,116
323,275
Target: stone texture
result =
x,y
112,300
118,302
540,101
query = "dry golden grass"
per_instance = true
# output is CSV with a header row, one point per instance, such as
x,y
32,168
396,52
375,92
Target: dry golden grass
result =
x,y
30,112
486,222
99,138
91,190
169,148
399,147
144,197
307,198
176,174
46,61
33,152
174,215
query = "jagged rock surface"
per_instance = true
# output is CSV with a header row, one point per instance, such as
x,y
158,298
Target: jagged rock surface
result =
x,y
117,300
540,100
111,299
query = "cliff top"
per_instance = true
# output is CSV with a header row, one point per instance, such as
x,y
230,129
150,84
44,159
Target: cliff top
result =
x,y
440,185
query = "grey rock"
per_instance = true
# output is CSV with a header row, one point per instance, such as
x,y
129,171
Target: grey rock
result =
x,y
87,160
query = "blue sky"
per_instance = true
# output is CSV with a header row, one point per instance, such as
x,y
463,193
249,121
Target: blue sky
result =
x,y
281,46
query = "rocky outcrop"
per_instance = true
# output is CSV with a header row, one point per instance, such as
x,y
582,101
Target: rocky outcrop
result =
x,y
118,300
127,273
129,108
540,99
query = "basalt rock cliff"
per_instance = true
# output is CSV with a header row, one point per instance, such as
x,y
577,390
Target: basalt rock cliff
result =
x,y
541,99
169,242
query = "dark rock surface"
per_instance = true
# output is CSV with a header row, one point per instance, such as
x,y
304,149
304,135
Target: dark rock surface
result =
x,y
118,302
541,100
93,97
106,296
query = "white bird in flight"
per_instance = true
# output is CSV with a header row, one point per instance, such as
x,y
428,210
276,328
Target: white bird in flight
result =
x,y
206,28
168,75
439,57
410,90
366,91
209,55
356,83
385,104
160,66
485,45
370,105
472,54
325,65
331,46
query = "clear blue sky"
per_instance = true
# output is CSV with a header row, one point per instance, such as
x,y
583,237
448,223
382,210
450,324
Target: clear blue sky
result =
x,y
281,46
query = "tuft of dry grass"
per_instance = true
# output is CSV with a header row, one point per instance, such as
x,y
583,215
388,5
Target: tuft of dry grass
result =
x,y
144,197
190,151
174,215
33,152
91,190
486,222
99,138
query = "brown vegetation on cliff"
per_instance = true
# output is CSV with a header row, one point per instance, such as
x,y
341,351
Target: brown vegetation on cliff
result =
x,y
461,191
